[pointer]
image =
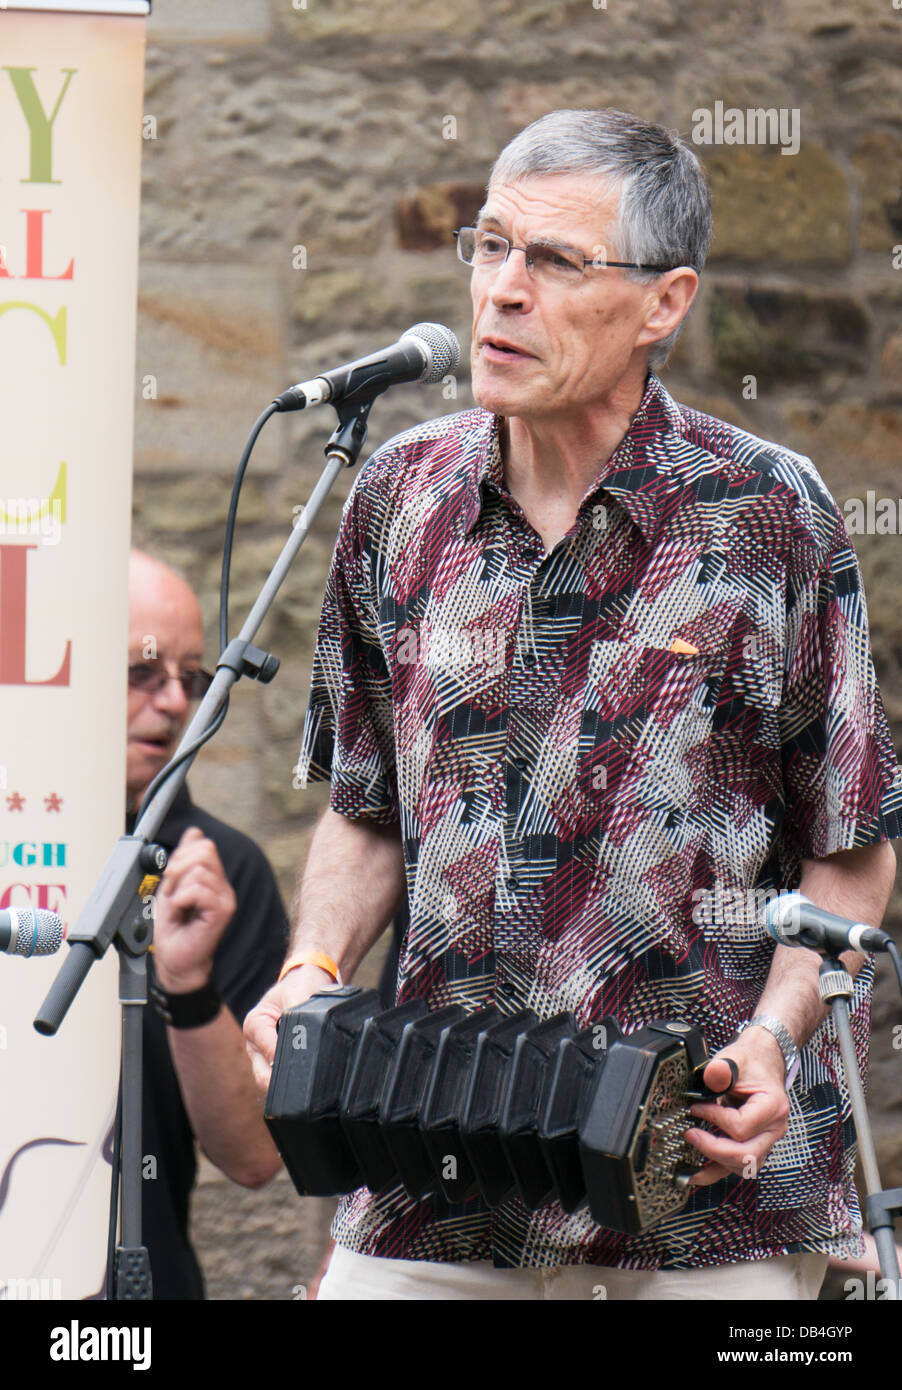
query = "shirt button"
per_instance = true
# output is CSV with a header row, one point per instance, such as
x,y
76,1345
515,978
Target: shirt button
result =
x,y
512,882
506,988
529,658
520,764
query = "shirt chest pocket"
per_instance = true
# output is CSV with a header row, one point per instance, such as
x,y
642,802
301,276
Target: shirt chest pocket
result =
x,y
645,725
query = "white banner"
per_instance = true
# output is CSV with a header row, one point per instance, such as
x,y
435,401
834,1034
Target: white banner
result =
x,y
71,89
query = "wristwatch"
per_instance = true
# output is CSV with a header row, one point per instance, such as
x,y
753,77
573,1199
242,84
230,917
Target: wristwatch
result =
x,y
186,1010
785,1041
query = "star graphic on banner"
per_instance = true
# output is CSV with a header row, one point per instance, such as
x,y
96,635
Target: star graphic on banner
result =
x,y
53,802
15,802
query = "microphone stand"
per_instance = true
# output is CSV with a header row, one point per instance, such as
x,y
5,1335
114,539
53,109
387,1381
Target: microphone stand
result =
x,y
835,987
113,913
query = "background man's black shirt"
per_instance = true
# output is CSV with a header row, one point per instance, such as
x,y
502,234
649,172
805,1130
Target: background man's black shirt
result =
x,y
246,963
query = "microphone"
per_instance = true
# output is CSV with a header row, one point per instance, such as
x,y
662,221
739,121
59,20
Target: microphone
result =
x,y
26,932
793,920
426,352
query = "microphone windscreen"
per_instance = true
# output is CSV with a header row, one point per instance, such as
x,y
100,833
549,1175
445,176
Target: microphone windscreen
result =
x,y
38,933
442,349
780,917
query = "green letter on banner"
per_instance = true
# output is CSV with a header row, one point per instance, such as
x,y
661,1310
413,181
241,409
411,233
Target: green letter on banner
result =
x,y
39,127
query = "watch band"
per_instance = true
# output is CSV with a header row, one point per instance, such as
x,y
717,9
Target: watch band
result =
x,y
186,1010
785,1041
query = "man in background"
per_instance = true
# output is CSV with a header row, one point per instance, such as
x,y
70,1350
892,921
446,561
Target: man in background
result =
x,y
219,937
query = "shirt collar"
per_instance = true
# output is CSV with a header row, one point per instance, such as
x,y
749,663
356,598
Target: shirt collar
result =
x,y
638,473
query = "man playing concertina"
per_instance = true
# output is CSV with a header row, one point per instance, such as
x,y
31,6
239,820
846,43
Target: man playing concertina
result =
x,y
589,661
219,936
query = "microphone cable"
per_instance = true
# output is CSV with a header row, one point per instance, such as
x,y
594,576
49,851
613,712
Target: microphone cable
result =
x,y
116,1172
892,951
203,737
271,409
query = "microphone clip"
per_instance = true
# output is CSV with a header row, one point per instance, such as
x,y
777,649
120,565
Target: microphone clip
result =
x,y
349,435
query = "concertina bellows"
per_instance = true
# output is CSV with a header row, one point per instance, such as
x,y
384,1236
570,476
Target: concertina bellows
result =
x,y
500,1105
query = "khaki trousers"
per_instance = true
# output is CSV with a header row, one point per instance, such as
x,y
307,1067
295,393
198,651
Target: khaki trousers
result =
x,y
369,1277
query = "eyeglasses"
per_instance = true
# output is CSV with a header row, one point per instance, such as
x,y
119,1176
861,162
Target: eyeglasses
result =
x,y
150,679
559,265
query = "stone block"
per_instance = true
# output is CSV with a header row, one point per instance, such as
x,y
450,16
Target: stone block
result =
x,y
196,214
723,74
520,102
866,87
264,1244
891,361
279,762
889,1155
781,336
225,777
425,219
770,207
605,17
350,296
285,700
884,290
252,561
332,214
880,559
853,441
208,360
440,298
835,20
878,160
226,21
248,150
161,70
306,21
191,505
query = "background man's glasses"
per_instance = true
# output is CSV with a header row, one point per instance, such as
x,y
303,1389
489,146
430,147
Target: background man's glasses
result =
x,y
560,265
150,678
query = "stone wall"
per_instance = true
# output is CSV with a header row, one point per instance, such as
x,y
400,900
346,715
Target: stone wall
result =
x,y
303,166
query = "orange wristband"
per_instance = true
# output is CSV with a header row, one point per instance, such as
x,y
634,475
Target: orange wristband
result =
x,y
311,958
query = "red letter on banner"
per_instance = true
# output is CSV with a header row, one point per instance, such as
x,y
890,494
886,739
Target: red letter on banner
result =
x,y
34,247
13,584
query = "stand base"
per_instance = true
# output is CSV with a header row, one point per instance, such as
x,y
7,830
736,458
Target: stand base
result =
x,y
133,1279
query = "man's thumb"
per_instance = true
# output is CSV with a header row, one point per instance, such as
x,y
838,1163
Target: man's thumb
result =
x,y
721,1075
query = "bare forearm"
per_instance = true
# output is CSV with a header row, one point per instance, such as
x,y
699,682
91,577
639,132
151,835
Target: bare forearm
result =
x,y
855,884
223,1105
350,890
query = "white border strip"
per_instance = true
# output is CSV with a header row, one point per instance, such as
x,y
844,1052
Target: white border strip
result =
x,y
136,7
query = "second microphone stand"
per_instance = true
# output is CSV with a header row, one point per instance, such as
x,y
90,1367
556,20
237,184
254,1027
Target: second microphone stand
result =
x,y
836,986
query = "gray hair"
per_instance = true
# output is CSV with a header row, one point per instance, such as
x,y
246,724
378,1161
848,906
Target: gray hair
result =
x,y
664,209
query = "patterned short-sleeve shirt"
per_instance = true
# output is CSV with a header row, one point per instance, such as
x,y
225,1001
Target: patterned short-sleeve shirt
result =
x,y
603,759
